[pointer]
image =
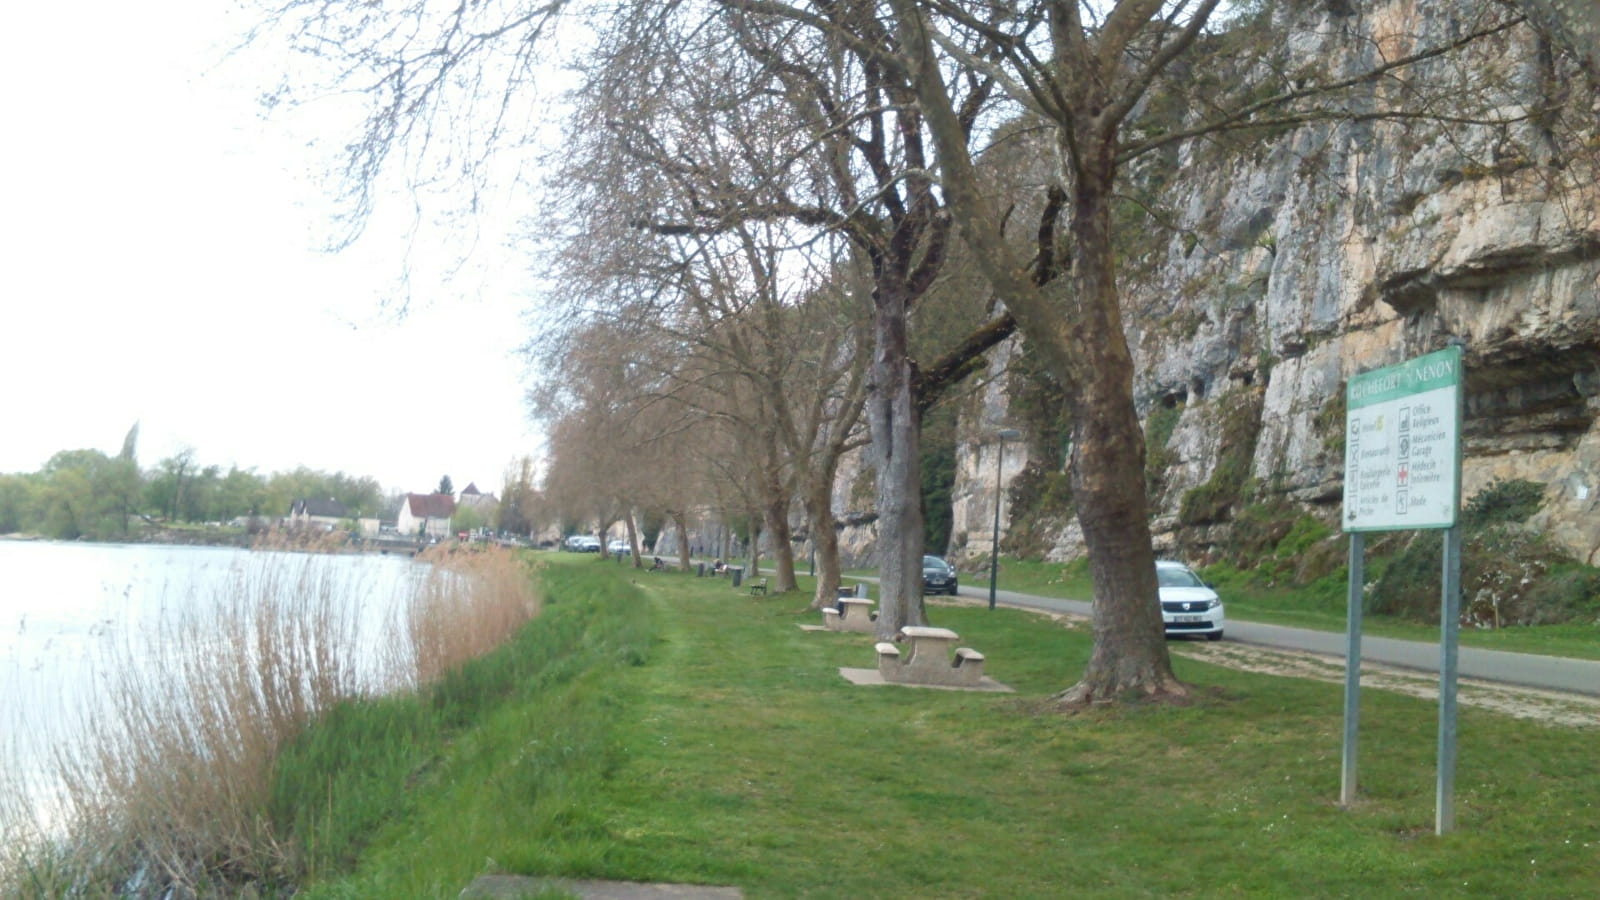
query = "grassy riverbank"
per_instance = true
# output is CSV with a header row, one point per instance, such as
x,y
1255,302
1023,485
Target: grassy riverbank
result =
x,y
668,728
232,752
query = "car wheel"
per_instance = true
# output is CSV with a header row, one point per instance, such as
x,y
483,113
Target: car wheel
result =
x,y
1214,636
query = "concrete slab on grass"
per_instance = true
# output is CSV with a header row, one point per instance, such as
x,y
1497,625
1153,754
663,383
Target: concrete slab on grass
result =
x,y
871,676
813,627
517,887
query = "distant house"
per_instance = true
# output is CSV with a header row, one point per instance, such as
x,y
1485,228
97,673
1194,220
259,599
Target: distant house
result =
x,y
315,513
484,505
426,514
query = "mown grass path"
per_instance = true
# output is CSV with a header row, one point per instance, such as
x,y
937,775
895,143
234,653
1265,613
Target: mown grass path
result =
x,y
695,734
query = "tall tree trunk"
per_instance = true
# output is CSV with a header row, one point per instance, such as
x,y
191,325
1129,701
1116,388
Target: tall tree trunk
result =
x,y
753,551
892,413
633,541
682,521
778,500
1130,652
778,531
824,540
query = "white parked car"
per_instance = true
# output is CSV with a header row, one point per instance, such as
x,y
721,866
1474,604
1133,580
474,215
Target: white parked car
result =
x,y
619,546
1188,604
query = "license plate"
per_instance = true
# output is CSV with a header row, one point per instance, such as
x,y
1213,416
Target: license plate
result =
x,y
1187,619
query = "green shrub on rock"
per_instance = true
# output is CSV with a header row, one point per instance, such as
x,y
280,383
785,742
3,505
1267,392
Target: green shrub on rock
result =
x,y
1503,501
1510,575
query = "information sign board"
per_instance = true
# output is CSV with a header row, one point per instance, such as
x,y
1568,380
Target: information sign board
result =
x,y
1402,461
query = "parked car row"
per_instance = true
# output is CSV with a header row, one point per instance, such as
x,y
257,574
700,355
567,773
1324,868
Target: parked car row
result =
x,y
588,543
1188,604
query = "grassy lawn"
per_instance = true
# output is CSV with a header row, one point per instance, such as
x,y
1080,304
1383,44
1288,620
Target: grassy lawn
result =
x,y
668,728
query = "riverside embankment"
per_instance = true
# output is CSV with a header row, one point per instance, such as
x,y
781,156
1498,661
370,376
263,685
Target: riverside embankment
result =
x,y
154,698
665,728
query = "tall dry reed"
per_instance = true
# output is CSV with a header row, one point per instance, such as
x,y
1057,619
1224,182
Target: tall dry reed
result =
x,y
166,784
470,603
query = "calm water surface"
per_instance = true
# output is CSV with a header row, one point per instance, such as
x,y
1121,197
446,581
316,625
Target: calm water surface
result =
x,y
67,609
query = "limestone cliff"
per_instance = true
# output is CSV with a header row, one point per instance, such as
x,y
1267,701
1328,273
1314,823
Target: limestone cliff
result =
x,y
1294,262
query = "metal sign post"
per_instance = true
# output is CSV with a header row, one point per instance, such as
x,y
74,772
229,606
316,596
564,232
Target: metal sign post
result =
x,y
1352,671
1402,470
1444,810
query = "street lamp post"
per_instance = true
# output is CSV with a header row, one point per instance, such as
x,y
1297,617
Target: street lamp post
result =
x,y
1004,435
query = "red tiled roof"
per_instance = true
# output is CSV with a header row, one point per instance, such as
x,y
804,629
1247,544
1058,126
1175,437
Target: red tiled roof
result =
x,y
431,506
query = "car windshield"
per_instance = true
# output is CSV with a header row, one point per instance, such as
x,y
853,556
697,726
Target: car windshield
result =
x,y
933,562
1177,577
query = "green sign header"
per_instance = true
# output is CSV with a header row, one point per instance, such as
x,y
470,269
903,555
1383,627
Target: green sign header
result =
x,y
1402,452
1440,369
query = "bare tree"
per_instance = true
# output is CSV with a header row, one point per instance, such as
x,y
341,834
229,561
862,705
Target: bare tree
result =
x,y
820,134
1086,70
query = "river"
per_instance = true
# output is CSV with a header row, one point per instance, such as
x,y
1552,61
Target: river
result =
x,y
71,611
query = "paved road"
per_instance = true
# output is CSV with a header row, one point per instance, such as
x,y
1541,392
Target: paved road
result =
x,y
1576,676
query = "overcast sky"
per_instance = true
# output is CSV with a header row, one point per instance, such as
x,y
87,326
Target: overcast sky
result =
x,y
159,263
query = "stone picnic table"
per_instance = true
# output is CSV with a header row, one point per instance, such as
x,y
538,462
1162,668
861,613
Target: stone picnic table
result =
x,y
851,614
930,660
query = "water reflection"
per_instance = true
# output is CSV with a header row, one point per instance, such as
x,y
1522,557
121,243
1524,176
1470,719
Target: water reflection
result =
x,y
77,620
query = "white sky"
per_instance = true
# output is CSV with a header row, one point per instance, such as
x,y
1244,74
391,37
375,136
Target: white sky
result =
x,y
159,263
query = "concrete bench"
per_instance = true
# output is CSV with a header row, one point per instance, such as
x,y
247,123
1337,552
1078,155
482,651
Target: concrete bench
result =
x,y
758,587
887,653
970,661
851,614
930,659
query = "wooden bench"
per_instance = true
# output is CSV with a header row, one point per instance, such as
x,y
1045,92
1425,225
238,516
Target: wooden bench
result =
x,y
758,587
930,659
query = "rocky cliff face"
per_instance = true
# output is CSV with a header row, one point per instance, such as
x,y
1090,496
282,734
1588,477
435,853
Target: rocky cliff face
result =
x,y
1333,249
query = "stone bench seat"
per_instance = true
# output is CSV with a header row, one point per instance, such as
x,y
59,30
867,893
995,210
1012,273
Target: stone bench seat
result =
x,y
970,661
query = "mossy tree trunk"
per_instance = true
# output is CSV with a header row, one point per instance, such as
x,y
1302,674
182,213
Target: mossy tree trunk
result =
x,y
896,433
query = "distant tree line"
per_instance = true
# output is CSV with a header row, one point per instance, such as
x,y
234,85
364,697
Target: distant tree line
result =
x,y
88,494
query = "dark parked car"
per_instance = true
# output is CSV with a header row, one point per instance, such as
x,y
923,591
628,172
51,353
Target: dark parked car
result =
x,y
938,576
